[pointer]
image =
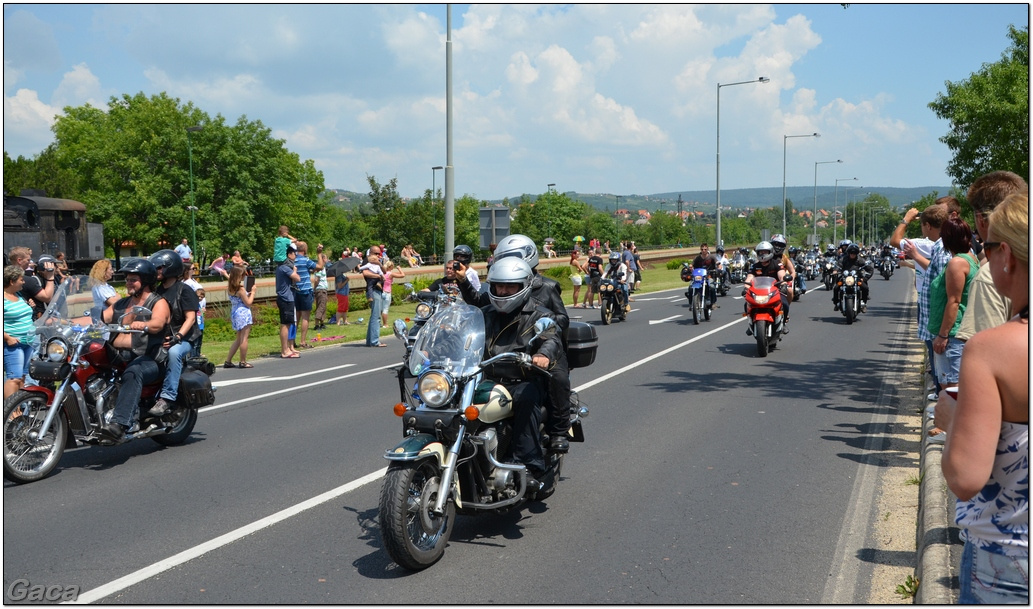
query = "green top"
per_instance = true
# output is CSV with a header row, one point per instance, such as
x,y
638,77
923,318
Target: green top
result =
x,y
18,320
280,248
938,297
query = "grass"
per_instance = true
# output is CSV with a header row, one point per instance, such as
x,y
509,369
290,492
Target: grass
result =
x,y
915,480
265,337
909,588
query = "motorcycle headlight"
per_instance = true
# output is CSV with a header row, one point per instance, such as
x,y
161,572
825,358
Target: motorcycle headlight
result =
x,y
57,350
850,280
762,298
434,389
423,310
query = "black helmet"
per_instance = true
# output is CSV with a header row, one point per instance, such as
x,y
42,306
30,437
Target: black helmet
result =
x,y
144,268
852,250
168,263
720,249
463,254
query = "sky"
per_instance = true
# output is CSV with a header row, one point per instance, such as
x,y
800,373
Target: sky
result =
x,y
594,98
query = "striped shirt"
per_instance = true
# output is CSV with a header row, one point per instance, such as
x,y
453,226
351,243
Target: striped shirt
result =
x,y
938,260
18,320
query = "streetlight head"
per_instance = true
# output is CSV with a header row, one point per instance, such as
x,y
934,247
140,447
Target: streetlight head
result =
x,y
839,160
763,79
438,167
195,128
816,134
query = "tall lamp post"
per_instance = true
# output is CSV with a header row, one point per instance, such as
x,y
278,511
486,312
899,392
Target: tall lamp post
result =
x,y
193,203
719,85
875,216
548,229
835,211
616,218
433,199
785,138
814,220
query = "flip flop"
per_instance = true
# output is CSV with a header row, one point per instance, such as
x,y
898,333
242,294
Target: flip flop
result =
x,y
291,356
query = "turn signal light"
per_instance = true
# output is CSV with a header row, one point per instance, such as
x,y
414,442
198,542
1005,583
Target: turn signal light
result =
x,y
399,409
471,413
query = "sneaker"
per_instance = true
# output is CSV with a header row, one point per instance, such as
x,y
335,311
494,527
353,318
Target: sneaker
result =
x,y
930,411
932,397
161,407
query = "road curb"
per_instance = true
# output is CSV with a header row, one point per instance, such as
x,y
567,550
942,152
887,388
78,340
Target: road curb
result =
x,y
936,567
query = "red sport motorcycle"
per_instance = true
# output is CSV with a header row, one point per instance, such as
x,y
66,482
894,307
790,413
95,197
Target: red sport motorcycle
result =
x,y
75,378
764,308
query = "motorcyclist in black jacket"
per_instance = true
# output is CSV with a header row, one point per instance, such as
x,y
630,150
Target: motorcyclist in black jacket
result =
x,y
852,260
509,322
545,292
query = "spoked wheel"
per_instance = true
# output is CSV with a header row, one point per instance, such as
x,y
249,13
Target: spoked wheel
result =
x,y
848,309
697,307
414,537
762,338
27,456
606,311
707,310
185,419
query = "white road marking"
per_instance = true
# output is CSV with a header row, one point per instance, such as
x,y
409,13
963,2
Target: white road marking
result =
x,y
660,321
189,554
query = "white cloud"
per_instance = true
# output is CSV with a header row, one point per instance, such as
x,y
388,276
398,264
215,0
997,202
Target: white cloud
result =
x,y
27,123
80,86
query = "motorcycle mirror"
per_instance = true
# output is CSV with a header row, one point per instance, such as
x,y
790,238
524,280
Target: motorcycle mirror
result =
x,y
400,329
141,311
545,328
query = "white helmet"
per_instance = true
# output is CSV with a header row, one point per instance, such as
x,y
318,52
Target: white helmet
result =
x,y
764,246
517,246
511,270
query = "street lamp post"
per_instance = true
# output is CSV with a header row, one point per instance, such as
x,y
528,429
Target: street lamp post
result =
x,y
718,163
814,220
616,218
835,210
785,138
193,203
434,208
548,229
875,216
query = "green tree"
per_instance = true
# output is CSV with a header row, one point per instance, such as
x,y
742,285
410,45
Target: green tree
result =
x,y
989,115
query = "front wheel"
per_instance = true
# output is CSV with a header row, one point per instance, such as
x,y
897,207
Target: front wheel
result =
x,y
606,311
27,457
414,537
761,331
186,418
697,307
848,309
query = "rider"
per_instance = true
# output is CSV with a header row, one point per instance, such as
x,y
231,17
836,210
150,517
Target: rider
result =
x,y
183,306
706,260
852,260
545,292
463,254
143,369
509,326
618,271
449,280
769,266
722,263
778,242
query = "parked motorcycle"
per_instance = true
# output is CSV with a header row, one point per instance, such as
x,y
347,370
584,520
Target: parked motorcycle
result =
x,y
850,283
613,304
457,428
77,375
886,267
764,308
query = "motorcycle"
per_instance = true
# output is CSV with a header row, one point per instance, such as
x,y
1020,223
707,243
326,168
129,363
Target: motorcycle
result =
x,y
810,267
737,268
698,292
428,303
886,268
764,308
829,270
75,378
850,283
613,304
458,427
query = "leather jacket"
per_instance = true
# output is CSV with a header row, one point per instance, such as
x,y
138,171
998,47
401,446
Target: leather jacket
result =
x,y
513,332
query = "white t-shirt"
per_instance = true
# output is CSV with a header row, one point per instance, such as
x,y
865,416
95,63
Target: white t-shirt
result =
x,y
925,248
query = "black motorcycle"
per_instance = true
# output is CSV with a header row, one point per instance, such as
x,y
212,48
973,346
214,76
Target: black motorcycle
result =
x,y
886,267
613,303
850,283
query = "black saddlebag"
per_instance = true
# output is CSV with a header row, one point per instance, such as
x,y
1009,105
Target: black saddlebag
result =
x,y
195,389
582,343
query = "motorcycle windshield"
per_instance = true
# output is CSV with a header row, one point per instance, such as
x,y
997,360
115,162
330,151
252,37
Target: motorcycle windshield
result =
x,y
58,307
763,284
451,340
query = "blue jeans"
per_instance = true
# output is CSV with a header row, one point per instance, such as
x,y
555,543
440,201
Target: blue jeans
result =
x,y
16,361
177,353
992,579
141,371
376,302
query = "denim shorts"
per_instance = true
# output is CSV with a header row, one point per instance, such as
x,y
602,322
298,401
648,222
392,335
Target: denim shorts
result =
x,y
303,301
16,361
992,579
947,365
385,302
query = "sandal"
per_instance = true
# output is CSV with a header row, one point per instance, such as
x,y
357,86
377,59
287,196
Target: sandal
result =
x,y
228,364
245,365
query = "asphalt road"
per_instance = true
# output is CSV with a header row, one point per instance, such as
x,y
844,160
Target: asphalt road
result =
x,y
709,475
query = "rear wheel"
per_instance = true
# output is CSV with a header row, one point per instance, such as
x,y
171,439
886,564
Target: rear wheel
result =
x,y
697,307
848,309
761,330
28,457
414,536
185,420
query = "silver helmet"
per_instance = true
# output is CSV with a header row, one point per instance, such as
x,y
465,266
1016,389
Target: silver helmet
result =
x,y
517,246
768,251
511,270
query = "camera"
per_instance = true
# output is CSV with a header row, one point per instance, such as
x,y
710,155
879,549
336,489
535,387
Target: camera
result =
x,y
456,266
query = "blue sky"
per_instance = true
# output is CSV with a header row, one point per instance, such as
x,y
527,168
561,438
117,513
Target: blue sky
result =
x,y
592,97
